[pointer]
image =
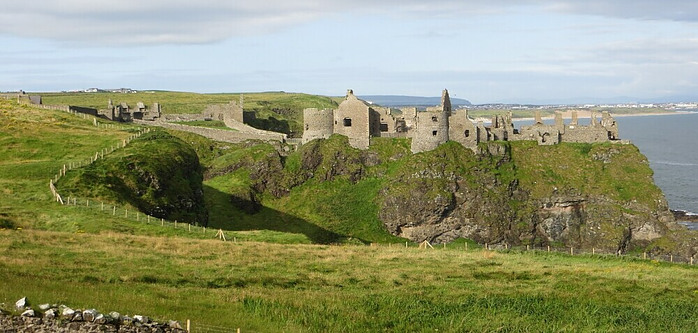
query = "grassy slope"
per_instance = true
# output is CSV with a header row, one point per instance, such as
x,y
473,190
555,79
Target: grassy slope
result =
x,y
282,107
35,143
271,287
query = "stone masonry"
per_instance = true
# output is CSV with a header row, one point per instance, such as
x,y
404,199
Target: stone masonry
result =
x,y
359,121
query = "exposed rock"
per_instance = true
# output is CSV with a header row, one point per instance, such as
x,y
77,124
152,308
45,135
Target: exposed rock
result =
x,y
67,312
77,316
174,324
115,316
51,313
44,307
28,313
100,319
22,303
142,319
89,315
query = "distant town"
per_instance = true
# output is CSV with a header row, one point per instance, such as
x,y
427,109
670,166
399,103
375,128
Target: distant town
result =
x,y
678,106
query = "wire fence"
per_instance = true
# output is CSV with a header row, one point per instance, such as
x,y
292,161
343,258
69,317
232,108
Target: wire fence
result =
x,y
196,327
137,216
690,260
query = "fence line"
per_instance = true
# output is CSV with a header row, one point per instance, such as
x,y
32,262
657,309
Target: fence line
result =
x,y
147,218
572,251
206,328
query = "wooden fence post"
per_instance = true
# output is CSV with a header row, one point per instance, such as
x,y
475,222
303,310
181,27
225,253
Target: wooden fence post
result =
x,y
548,248
162,222
644,255
571,250
188,325
114,212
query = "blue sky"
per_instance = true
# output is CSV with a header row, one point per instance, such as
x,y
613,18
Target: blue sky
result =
x,y
526,51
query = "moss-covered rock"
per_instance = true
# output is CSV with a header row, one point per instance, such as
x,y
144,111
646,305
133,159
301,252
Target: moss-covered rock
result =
x,y
516,193
157,173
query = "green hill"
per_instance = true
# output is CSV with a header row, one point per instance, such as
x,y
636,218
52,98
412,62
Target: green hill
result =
x,y
86,256
277,111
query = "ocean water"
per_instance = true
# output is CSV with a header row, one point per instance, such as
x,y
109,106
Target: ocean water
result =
x,y
670,143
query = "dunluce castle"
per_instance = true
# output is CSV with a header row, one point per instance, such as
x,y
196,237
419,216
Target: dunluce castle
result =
x,y
359,121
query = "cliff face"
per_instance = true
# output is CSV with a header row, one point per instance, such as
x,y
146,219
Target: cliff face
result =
x,y
579,195
516,193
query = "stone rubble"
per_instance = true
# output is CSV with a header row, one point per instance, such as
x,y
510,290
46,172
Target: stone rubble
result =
x,y
61,318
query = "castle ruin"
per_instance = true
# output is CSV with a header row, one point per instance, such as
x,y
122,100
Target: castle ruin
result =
x,y
123,112
359,121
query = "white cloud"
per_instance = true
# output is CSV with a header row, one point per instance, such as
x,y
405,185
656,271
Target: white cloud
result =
x,y
110,22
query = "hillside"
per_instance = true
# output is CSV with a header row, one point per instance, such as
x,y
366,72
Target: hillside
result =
x,y
277,111
324,193
516,193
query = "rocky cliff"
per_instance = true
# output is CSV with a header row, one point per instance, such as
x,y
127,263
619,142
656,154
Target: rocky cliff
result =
x,y
515,193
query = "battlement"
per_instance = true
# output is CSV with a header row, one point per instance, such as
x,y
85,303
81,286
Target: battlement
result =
x,y
360,121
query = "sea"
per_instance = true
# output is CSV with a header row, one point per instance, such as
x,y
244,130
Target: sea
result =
x,y
670,143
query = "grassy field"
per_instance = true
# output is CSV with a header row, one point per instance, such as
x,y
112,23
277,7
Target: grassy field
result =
x,y
85,257
278,111
262,287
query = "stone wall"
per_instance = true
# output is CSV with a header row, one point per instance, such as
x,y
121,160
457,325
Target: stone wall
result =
x,y
219,135
317,124
431,130
61,318
352,119
462,130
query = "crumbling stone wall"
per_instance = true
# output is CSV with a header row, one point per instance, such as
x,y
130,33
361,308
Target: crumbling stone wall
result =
x,y
352,119
359,121
431,130
462,130
317,124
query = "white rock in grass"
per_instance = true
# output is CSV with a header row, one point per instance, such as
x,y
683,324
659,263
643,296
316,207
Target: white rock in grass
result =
x,y
22,303
51,313
68,312
28,313
89,315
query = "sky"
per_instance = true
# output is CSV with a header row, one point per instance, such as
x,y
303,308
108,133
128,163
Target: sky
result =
x,y
486,51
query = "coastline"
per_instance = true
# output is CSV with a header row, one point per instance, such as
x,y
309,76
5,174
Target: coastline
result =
x,y
583,114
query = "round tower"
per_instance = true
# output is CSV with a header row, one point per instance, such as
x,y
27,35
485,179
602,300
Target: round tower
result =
x,y
317,124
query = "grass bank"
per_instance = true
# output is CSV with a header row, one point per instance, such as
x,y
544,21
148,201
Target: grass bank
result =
x,y
314,288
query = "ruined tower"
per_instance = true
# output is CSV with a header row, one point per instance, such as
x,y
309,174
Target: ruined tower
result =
x,y
317,124
431,126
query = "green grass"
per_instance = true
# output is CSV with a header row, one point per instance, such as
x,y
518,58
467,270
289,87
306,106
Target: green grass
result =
x,y
87,257
277,111
216,124
312,288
